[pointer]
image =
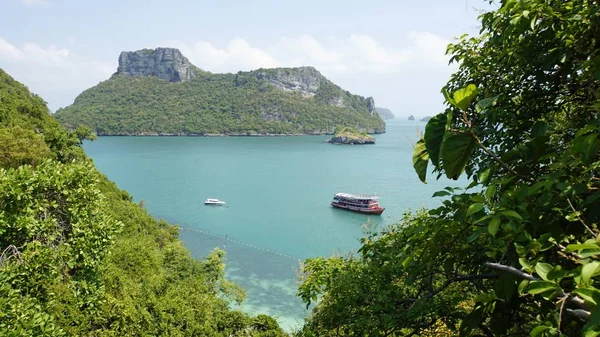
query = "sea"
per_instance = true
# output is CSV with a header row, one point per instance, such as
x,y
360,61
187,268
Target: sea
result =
x,y
278,192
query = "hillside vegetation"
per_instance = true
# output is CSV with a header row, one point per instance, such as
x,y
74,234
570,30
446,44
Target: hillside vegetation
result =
x,y
516,253
79,258
237,104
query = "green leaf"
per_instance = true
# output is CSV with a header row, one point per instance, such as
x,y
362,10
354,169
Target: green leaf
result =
x,y
591,295
463,97
420,159
484,175
441,194
588,271
448,98
543,269
494,225
525,264
539,129
591,328
486,103
490,191
538,287
582,246
539,330
522,286
511,215
533,22
474,208
434,135
455,153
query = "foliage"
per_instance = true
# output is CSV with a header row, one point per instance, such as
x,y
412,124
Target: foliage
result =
x,y
517,252
79,258
236,104
20,146
350,132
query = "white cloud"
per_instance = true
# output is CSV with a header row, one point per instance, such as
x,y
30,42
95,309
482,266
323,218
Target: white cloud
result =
x,y
353,54
35,2
52,72
237,55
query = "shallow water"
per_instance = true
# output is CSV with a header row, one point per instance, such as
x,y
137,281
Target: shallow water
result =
x,y
277,191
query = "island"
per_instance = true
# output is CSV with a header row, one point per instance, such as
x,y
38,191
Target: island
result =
x,y
411,118
350,136
385,113
159,92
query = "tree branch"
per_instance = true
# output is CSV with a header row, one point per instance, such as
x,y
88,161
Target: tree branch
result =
x,y
580,220
512,270
579,313
495,156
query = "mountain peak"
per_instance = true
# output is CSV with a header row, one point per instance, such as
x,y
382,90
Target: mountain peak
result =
x,y
165,63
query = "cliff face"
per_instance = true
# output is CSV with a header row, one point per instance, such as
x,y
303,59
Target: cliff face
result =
x,y
305,80
165,63
309,82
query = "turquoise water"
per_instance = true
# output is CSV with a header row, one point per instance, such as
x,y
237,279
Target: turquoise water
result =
x,y
277,190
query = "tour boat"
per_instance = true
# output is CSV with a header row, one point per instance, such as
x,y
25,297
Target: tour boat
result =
x,y
217,202
361,203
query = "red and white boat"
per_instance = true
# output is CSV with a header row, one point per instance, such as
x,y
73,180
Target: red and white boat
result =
x,y
361,203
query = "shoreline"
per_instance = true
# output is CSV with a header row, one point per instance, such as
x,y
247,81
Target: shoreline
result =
x,y
221,134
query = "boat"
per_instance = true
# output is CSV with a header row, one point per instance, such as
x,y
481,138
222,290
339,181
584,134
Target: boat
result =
x,y
361,203
216,202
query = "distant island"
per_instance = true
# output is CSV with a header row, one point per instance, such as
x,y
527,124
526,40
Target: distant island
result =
x,y
385,113
425,119
350,136
158,92
411,118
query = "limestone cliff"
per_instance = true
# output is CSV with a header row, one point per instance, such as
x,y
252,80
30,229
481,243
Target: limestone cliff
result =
x,y
309,82
305,80
165,63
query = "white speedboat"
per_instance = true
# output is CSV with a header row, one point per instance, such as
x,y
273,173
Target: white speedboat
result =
x,y
216,202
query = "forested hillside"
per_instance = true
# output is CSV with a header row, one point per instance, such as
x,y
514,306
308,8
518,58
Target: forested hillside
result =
x,y
264,101
80,258
516,253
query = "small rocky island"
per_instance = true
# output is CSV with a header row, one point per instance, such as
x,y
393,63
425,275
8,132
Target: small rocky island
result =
x,y
411,118
350,136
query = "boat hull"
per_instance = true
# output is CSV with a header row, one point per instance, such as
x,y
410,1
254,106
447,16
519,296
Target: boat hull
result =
x,y
376,211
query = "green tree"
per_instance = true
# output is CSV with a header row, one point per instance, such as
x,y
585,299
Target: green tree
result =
x,y
517,252
20,146
79,258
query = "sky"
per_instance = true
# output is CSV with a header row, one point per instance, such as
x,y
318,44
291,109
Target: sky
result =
x,y
391,50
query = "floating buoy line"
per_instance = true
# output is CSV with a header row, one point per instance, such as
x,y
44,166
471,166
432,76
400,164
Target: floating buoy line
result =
x,y
226,238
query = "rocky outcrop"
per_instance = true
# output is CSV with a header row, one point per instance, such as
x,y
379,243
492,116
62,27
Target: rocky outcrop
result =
x,y
347,140
350,136
305,80
411,118
166,63
371,105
